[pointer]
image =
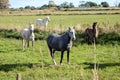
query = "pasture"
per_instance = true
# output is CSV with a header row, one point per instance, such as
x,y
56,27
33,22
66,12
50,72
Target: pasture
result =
x,y
37,64
19,22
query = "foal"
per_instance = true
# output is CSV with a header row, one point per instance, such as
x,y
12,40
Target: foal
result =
x,y
27,35
91,34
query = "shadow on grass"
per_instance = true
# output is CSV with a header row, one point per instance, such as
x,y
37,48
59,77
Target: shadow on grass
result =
x,y
22,66
11,67
100,65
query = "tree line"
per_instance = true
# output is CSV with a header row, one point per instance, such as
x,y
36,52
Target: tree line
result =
x,y
4,4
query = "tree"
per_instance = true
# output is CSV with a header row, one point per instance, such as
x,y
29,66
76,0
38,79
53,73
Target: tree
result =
x,y
67,5
104,4
71,5
21,8
90,4
4,4
32,8
81,4
64,5
119,5
51,3
27,7
44,6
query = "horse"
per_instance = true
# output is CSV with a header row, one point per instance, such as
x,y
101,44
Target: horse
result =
x,y
91,34
61,43
43,22
27,35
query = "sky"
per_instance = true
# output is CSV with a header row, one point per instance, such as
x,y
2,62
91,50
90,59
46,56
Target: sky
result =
x,y
38,3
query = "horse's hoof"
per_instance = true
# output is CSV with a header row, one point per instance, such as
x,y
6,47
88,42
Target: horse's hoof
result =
x,y
55,64
61,64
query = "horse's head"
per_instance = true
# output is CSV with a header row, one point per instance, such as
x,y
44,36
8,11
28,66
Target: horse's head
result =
x,y
71,32
94,25
48,18
31,27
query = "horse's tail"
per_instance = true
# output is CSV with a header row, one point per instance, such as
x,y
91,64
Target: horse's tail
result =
x,y
49,40
86,32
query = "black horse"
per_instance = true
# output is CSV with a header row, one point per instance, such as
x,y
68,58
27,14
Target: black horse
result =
x,y
61,43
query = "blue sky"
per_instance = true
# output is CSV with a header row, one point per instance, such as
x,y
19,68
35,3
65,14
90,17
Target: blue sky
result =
x,y
38,3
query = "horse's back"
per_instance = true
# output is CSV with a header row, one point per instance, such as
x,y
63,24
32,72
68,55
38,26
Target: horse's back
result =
x,y
53,37
24,33
54,41
89,32
38,21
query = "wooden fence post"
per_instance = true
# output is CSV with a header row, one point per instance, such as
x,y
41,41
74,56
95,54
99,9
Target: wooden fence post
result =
x,y
18,77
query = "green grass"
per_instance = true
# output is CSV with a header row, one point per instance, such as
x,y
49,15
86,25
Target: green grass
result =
x,y
37,64
57,20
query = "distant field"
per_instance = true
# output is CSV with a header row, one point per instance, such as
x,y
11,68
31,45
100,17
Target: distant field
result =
x,y
62,11
58,21
37,64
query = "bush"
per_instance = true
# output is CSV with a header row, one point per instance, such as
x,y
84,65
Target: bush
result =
x,y
104,38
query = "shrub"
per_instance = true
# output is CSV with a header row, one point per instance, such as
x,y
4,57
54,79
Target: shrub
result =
x,y
104,38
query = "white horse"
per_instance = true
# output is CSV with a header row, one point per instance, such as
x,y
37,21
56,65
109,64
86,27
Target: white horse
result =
x,y
27,35
43,22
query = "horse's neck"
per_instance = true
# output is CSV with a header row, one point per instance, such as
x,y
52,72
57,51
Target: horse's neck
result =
x,y
67,38
45,20
94,28
31,32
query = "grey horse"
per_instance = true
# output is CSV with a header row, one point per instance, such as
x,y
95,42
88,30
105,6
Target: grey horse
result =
x,y
27,35
61,43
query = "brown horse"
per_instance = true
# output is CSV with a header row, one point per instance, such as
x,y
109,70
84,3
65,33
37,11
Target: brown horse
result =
x,y
91,34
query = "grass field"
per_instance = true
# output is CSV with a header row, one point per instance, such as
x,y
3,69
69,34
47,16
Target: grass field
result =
x,y
37,64
59,21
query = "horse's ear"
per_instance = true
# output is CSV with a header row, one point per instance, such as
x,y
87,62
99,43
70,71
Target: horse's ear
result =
x,y
74,27
69,28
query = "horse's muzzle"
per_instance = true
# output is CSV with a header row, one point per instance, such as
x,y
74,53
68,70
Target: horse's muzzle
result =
x,y
74,38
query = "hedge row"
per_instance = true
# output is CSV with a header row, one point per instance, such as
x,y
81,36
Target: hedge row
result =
x,y
104,38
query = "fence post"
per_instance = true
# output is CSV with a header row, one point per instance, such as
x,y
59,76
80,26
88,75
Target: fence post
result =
x,y
95,77
18,77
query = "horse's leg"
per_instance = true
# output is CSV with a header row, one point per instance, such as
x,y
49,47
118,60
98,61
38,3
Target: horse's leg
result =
x,y
53,57
23,44
95,40
32,44
61,57
52,54
68,51
28,43
88,40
